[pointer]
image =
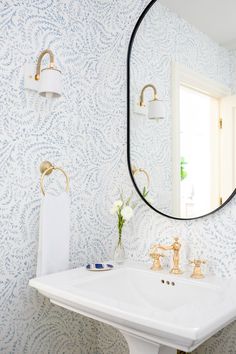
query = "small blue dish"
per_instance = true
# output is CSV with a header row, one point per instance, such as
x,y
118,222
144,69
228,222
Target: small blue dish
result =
x,y
98,267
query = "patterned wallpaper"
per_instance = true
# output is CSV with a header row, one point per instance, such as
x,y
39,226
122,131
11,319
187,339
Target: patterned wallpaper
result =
x,y
85,133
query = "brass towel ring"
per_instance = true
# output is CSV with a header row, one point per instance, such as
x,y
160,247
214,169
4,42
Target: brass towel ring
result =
x,y
46,169
136,170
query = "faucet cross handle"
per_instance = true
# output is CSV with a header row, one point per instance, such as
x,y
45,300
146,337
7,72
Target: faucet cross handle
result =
x,y
176,239
197,271
156,266
154,248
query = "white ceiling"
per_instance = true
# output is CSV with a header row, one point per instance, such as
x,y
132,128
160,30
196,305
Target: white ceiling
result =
x,y
216,18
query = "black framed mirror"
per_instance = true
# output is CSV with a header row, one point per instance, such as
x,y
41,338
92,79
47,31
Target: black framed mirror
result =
x,y
182,107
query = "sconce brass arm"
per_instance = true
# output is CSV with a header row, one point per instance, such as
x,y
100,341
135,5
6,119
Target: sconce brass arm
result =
x,y
38,67
142,104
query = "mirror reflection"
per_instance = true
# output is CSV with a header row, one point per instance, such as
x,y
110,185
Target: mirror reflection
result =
x,y
182,106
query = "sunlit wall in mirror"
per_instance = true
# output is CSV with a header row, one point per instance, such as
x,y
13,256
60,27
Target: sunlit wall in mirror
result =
x,y
198,146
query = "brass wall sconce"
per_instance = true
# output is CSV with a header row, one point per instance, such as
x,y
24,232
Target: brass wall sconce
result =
x,y
46,168
156,109
46,81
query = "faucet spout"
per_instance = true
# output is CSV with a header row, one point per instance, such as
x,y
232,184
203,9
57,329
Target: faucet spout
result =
x,y
165,248
175,247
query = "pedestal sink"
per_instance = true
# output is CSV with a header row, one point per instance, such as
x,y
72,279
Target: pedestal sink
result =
x,y
156,312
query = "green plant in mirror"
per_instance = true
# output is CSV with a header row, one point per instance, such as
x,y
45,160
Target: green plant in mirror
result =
x,y
183,172
145,192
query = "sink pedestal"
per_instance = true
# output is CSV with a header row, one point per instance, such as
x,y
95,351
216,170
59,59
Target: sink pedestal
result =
x,y
138,345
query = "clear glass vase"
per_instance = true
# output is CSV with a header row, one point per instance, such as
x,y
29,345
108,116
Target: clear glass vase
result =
x,y
119,253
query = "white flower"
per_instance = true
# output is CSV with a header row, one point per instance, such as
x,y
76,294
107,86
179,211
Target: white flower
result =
x,y
116,206
127,213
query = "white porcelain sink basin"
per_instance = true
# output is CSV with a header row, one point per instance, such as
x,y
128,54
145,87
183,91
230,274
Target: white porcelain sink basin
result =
x,y
154,311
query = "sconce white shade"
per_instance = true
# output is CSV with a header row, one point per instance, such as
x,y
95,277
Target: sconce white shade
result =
x,y
50,83
156,109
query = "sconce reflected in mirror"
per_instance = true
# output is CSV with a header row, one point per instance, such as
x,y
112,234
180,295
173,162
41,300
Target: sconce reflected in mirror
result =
x,y
47,81
156,109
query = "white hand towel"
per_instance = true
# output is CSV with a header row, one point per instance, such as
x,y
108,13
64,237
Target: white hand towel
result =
x,y
54,234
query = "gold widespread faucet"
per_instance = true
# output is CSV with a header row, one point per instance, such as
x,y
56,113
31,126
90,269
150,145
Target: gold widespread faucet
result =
x,y
176,257
175,247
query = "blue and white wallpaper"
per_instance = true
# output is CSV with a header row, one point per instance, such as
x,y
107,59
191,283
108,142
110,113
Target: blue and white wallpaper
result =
x,y
85,133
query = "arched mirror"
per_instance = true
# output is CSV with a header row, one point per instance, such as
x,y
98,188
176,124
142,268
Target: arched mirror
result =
x,y
182,106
